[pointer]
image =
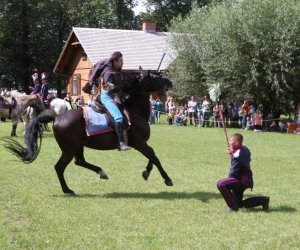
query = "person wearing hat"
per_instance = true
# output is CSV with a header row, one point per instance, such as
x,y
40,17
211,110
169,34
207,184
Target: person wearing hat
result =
x,y
45,88
37,86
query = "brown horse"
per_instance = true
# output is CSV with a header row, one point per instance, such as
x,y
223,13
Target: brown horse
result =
x,y
70,134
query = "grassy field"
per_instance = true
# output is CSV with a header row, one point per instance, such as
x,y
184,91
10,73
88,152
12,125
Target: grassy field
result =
x,y
125,212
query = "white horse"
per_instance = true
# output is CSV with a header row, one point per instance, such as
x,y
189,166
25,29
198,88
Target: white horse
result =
x,y
22,101
57,106
60,106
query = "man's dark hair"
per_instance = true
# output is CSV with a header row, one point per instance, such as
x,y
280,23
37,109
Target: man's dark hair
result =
x,y
239,137
115,56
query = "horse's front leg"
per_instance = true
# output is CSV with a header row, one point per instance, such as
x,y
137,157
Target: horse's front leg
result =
x,y
14,128
147,151
60,168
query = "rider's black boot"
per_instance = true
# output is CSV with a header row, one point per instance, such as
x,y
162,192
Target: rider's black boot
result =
x,y
119,130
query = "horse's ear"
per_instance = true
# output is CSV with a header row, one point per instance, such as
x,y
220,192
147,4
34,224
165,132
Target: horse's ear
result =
x,y
141,71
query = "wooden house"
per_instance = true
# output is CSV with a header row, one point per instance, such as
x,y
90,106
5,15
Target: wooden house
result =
x,y
86,46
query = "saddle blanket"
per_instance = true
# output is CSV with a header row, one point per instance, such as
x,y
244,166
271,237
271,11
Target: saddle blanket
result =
x,y
95,123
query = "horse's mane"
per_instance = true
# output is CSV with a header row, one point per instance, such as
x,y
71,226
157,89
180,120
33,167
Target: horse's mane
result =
x,y
131,85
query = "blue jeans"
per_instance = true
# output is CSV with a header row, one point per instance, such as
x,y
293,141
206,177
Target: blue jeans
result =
x,y
244,120
206,117
108,101
152,116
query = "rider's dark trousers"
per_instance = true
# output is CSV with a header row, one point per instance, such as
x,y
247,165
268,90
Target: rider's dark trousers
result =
x,y
232,191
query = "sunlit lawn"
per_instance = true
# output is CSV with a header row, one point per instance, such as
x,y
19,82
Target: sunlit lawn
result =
x,y
125,212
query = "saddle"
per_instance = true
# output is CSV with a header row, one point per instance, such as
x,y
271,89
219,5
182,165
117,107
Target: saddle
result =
x,y
100,108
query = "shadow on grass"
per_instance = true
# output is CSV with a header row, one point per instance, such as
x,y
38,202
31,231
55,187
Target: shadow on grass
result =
x,y
202,196
279,209
284,209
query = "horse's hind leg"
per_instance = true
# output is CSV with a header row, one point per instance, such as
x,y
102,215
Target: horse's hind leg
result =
x,y
14,128
147,151
80,161
46,127
60,167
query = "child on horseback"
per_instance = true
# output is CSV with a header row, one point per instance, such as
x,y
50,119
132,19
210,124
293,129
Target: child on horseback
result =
x,y
45,87
108,72
37,86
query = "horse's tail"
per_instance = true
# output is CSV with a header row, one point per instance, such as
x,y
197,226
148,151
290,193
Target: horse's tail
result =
x,y
33,140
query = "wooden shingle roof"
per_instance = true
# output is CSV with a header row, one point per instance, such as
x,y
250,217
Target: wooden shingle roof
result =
x,y
139,48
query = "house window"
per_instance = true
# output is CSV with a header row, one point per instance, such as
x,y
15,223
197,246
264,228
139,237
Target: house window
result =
x,y
76,84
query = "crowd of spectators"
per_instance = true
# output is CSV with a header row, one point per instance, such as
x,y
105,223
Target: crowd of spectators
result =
x,y
202,112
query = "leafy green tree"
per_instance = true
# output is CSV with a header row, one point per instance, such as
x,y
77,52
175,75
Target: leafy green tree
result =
x,y
14,41
250,47
163,11
32,33
117,14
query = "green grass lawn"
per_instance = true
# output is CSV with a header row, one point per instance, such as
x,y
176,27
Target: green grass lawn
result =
x,y
125,212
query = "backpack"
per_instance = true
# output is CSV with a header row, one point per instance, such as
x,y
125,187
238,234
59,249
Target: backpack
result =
x,y
97,73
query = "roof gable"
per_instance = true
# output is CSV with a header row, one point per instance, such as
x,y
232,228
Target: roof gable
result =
x,y
139,48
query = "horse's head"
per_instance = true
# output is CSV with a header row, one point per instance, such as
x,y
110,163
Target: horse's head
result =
x,y
33,101
153,82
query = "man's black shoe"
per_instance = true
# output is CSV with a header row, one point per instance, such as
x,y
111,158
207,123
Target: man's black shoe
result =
x,y
265,204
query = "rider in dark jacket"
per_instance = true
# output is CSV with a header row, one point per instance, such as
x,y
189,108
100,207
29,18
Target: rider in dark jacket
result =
x,y
37,86
45,87
108,72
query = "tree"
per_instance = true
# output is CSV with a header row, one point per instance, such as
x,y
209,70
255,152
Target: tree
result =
x,y
32,33
250,47
163,11
14,42
102,13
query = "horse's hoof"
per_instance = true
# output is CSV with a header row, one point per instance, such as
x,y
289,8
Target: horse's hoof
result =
x,y
103,175
70,193
169,183
145,175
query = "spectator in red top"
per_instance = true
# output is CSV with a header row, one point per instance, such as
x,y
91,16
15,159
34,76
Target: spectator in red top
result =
x,y
246,113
